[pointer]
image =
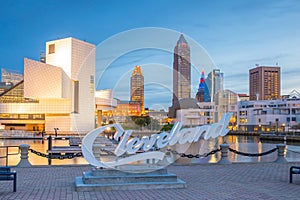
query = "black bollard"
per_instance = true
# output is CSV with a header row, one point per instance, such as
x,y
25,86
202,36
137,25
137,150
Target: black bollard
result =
x,y
49,149
43,134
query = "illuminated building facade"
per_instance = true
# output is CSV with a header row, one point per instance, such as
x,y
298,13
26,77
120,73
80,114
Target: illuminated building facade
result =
x,y
226,101
203,92
125,109
9,79
11,76
4,86
57,94
137,87
105,104
268,115
264,83
243,97
134,107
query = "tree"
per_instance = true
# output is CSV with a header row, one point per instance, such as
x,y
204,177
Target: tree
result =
x,y
154,124
141,121
167,127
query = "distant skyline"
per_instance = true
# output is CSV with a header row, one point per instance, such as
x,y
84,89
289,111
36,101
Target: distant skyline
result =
x,y
237,34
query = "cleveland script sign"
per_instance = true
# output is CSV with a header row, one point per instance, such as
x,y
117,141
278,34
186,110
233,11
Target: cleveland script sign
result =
x,y
131,145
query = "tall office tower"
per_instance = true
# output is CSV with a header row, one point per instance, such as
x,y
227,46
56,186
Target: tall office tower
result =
x,y
137,86
11,76
201,89
264,83
214,82
181,71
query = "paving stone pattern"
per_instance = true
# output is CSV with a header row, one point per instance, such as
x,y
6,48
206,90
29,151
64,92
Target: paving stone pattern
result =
x,y
209,181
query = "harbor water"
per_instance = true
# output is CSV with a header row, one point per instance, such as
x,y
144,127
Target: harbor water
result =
x,y
248,144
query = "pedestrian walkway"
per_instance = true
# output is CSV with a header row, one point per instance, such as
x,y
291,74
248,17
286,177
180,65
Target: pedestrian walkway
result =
x,y
209,181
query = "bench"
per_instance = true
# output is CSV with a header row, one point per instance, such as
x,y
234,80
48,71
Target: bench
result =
x,y
7,175
294,170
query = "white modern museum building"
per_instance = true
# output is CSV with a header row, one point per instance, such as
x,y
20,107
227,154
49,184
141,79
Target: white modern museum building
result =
x,y
59,93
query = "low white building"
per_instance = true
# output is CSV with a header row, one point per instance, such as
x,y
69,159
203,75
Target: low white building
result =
x,y
159,115
268,115
105,103
193,113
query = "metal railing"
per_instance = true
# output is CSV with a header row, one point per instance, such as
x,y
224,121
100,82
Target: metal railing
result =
x,y
24,149
7,154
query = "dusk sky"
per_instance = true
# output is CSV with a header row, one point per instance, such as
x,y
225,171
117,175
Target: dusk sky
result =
x,y
237,34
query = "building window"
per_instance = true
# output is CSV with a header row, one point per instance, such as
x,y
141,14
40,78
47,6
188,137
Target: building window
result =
x,y
92,83
76,97
23,116
92,79
38,116
51,49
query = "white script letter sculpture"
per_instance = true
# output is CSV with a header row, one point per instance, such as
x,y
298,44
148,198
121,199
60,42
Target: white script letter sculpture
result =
x,y
155,141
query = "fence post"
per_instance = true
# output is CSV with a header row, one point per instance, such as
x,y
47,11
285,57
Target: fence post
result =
x,y
281,158
224,154
49,149
24,156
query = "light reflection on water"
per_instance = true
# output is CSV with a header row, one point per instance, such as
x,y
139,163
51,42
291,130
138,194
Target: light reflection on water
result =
x,y
38,145
248,144
252,144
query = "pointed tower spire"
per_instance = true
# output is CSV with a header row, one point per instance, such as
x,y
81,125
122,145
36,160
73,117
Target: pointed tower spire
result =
x,y
181,40
201,85
181,74
201,89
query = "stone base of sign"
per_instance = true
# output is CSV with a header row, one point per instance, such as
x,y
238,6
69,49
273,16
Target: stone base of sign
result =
x,y
129,177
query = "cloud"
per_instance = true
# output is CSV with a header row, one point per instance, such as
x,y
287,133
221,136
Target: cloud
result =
x,y
268,59
290,72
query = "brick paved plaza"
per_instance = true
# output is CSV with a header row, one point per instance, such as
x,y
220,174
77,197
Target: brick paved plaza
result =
x,y
211,181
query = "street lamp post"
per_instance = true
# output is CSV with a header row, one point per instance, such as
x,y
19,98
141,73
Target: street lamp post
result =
x,y
55,130
283,127
277,121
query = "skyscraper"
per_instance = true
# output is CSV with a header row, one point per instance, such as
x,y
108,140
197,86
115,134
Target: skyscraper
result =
x,y
181,75
137,86
264,83
181,71
203,92
214,82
